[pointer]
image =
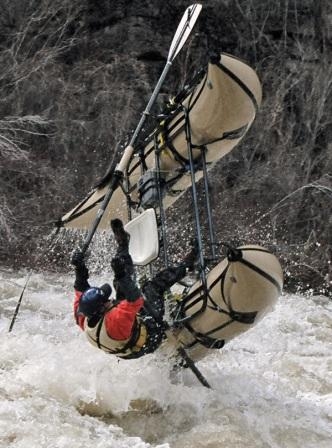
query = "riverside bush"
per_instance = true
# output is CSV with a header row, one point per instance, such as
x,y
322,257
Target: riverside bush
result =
x,y
76,76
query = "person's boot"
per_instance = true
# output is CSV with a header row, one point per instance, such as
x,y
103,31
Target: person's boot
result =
x,y
121,236
191,257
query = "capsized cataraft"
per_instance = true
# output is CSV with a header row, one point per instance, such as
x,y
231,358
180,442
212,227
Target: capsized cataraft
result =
x,y
218,110
201,125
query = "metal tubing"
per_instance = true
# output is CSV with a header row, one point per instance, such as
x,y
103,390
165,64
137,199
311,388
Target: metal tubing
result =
x,y
208,206
194,195
161,207
116,179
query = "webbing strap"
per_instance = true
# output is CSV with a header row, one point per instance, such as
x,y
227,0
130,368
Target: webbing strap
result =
x,y
98,332
174,125
240,83
261,272
137,336
235,316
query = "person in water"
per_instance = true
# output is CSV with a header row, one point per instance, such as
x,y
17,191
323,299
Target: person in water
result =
x,y
131,325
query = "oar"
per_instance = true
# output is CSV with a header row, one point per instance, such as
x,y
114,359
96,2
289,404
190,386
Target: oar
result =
x,y
181,35
181,351
19,304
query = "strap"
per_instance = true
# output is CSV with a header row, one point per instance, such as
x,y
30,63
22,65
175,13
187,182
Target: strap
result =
x,y
98,332
141,338
234,316
173,125
239,82
259,270
136,342
76,214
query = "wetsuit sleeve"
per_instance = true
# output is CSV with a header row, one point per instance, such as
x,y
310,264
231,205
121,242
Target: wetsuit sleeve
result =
x,y
81,278
79,318
81,284
119,320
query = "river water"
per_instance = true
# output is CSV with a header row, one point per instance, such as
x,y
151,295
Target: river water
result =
x,y
272,387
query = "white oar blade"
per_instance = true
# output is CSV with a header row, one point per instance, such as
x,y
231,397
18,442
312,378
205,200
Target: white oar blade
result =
x,y
184,29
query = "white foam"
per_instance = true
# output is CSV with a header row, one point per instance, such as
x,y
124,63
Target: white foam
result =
x,y
272,386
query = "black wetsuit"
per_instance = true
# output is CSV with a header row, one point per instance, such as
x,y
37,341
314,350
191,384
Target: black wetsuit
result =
x,y
153,290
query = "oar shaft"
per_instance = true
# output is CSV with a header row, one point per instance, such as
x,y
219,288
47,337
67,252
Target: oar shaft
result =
x,y
18,304
184,28
171,337
151,102
192,366
125,159
116,179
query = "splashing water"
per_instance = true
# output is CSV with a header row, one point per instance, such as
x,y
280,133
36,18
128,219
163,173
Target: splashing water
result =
x,y
272,386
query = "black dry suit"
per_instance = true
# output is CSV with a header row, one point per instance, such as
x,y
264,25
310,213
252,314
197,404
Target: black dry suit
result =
x,y
152,314
153,290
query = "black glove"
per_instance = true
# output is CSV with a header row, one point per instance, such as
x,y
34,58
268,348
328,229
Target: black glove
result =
x,y
81,271
119,267
77,259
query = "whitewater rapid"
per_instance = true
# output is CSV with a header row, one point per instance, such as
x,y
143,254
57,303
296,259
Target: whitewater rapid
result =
x,y
272,386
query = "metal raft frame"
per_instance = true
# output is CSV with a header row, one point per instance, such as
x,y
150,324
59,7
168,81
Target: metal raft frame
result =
x,y
192,168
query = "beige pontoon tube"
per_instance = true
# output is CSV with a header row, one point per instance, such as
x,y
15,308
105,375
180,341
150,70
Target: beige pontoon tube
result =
x,y
221,108
240,291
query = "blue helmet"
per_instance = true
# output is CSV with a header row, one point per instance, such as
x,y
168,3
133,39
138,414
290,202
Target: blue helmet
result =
x,y
93,300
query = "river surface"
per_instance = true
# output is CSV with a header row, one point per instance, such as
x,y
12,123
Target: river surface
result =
x,y
272,387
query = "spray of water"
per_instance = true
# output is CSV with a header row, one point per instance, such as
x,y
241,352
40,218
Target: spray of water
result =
x,y
272,386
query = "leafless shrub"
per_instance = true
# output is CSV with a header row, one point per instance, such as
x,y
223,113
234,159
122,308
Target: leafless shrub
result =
x,y
70,96
6,216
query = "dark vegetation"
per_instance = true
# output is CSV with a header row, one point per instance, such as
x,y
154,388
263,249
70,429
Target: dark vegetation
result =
x,y
75,76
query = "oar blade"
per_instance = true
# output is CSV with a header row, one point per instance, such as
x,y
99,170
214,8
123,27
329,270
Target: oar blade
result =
x,y
184,29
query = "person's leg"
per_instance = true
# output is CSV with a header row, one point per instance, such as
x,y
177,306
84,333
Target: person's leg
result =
x,y
168,277
122,239
154,289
